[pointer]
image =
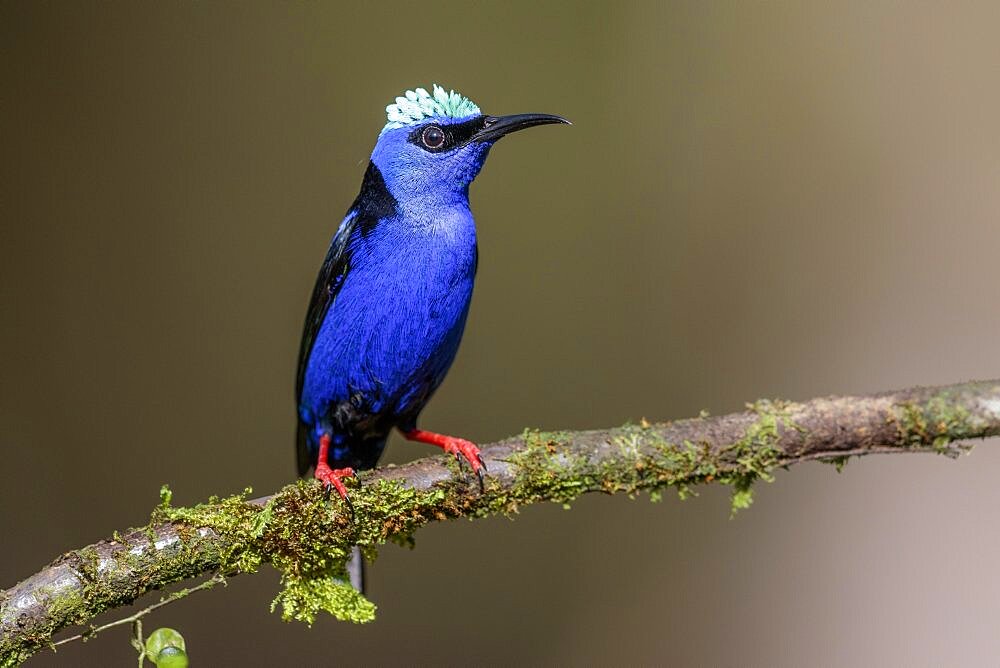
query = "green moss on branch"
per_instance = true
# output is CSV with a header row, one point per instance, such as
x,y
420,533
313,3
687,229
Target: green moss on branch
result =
x,y
307,537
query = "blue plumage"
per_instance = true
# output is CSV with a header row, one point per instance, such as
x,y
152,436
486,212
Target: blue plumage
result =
x,y
392,296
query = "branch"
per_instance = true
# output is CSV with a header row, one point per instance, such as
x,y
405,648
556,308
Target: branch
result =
x,y
308,537
137,617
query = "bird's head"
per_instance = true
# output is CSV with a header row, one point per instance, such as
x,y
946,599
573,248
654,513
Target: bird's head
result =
x,y
435,143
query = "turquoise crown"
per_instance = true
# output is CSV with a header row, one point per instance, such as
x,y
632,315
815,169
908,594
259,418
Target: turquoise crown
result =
x,y
414,106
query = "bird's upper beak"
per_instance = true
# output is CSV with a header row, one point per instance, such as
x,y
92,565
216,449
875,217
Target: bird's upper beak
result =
x,y
498,126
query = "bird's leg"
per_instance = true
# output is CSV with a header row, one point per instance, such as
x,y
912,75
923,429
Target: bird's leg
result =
x,y
456,446
332,477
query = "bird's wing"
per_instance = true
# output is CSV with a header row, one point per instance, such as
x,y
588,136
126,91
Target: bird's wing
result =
x,y
328,283
374,203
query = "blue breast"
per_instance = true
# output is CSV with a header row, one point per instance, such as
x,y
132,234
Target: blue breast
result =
x,y
394,326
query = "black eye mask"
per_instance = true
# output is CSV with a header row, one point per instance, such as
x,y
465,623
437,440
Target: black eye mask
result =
x,y
454,135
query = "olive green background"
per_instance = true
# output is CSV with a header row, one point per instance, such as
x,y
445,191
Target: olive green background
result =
x,y
756,200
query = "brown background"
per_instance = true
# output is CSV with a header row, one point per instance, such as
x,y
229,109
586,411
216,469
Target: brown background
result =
x,y
757,200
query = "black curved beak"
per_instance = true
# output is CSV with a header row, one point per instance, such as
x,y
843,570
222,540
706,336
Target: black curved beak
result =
x,y
498,126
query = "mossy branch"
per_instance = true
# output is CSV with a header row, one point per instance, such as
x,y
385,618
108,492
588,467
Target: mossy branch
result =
x,y
307,537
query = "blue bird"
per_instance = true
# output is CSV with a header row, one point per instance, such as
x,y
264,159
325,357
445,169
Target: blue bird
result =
x,y
392,296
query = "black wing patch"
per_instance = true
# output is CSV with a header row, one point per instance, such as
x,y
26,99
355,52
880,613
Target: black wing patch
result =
x,y
373,203
328,283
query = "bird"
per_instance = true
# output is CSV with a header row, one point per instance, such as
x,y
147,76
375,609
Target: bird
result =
x,y
390,303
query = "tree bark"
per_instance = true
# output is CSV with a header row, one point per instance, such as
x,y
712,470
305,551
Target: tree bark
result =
x,y
302,532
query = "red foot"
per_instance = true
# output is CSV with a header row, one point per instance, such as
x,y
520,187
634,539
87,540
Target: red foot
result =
x,y
459,447
332,477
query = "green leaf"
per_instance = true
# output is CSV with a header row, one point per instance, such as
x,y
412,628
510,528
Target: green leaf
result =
x,y
165,648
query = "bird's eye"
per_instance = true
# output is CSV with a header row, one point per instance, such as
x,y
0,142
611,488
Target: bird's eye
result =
x,y
433,137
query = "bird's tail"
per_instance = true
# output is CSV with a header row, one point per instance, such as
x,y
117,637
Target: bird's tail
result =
x,y
356,563
304,457
356,570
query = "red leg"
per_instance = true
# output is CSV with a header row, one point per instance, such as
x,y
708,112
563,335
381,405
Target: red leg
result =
x,y
459,447
332,477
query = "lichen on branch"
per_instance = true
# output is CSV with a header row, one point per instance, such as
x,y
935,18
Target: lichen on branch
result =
x,y
307,536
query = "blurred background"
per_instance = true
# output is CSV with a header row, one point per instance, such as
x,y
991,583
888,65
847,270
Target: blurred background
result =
x,y
756,200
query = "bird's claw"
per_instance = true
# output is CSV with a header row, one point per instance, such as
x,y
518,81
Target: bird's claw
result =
x,y
466,452
333,479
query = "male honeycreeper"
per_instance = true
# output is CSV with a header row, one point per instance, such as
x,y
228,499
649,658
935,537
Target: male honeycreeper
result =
x,y
392,296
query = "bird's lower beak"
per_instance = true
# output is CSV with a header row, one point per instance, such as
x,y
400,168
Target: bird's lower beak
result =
x,y
498,126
